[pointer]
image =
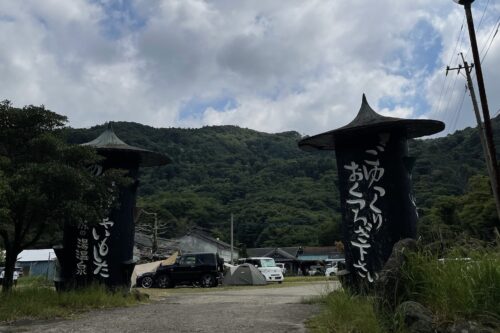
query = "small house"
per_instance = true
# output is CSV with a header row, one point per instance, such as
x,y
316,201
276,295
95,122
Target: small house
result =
x,y
195,240
298,260
199,241
39,262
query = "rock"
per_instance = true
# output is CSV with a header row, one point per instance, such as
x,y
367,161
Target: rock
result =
x,y
414,317
388,287
466,326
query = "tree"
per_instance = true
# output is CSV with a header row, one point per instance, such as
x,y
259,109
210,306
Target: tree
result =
x,y
44,180
151,228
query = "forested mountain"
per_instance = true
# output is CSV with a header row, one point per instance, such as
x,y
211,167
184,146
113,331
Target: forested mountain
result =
x,y
281,195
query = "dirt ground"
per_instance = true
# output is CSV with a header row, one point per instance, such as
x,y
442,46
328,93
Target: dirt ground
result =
x,y
221,310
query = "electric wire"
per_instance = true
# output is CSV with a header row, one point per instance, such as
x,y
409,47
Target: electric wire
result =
x,y
492,39
482,16
447,109
479,25
449,62
457,114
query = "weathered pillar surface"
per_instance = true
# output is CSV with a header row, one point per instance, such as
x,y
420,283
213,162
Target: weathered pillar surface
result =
x,y
377,203
104,252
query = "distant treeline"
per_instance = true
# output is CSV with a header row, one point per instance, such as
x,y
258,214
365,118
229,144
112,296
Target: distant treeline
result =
x,y
283,196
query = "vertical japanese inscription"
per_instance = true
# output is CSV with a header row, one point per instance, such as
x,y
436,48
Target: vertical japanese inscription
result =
x,y
364,190
82,249
101,248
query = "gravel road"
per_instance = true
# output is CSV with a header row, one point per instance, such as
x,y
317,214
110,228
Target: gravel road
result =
x,y
252,309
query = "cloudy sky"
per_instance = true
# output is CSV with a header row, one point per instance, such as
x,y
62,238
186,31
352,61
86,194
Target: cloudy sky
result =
x,y
267,65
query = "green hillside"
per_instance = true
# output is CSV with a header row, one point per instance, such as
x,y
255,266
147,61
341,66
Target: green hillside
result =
x,y
280,195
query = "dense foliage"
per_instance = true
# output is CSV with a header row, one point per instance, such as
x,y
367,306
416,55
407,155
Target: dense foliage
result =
x,y
44,181
282,196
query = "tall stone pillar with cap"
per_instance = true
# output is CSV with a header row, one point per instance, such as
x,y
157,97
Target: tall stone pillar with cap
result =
x,y
377,202
104,252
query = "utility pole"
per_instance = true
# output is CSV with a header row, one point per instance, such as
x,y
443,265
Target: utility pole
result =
x,y
480,126
482,95
232,262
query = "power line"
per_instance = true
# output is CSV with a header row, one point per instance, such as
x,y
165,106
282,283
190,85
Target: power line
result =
x,y
447,109
479,26
459,110
449,63
482,16
492,39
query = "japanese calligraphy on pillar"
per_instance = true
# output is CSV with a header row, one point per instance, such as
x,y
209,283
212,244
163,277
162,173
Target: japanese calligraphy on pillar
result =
x,y
82,249
363,210
100,252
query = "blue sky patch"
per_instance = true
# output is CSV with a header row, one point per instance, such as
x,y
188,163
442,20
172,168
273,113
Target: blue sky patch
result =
x,y
418,103
195,107
425,46
121,18
7,18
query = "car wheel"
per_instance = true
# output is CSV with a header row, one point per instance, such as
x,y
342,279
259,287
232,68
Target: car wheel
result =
x,y
207,281
147,282
332,274
163,281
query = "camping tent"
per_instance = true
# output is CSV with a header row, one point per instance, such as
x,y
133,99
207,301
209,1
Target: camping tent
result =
x,y
151,267
245,274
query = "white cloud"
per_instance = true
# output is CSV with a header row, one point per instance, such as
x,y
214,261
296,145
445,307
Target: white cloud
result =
x,y
298,65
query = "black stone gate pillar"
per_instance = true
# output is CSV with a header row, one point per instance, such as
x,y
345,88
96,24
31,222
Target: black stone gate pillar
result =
x,y
377,203
104,252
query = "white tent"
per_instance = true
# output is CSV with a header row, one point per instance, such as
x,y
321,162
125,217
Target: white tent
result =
x,y
151,267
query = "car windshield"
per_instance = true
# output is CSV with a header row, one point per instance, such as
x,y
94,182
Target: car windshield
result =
x,y
268,262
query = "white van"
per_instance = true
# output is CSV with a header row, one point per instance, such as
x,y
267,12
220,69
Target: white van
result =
x,y
267,267
333,266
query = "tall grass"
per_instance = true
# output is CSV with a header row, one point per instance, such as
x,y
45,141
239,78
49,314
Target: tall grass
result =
x,y
453,289
346,313
457,287
34,299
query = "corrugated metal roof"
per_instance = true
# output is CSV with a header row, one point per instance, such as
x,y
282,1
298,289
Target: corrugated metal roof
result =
x,y
319,250
36,255
288,252
312,257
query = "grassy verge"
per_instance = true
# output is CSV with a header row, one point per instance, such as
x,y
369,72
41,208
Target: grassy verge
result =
x,y
345,313
456,288
453,289
158,293
295,279
34,298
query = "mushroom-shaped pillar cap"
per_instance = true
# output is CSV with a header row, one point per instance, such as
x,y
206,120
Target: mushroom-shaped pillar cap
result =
x,y
109,142
369,120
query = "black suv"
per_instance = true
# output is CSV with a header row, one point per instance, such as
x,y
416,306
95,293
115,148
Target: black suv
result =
x,y
204,269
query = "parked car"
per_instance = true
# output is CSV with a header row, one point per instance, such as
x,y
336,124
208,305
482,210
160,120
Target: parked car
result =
x,y
282,266
334,268
19,271
203,269
316,270
267,267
